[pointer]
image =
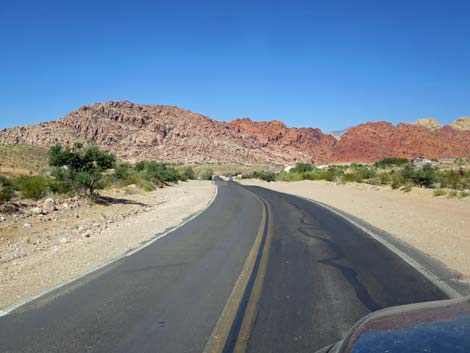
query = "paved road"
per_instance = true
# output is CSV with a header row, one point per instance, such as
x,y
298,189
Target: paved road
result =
x,y
321,276
166,298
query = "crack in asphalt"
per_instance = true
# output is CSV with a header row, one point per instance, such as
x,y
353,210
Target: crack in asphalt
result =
x,y
349,274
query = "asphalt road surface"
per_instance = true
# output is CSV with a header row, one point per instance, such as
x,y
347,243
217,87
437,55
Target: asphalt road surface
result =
x,y
319,276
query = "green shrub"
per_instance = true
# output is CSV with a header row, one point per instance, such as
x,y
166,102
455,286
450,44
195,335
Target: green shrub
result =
x,y
186,173
149,186
58,187
133,179
302,168
452,193
424,176
123,171
158,172
384,178
329,174
32,187
284,176
205,174
463,194
348,177
81,168
391,162
439,192
7,189
396,183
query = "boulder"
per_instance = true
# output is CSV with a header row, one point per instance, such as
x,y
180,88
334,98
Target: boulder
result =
x,y
37,211
49,205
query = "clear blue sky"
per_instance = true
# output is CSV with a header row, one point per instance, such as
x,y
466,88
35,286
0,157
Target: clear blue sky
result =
x,y
328,64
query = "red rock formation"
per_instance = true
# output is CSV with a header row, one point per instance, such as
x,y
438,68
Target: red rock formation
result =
x,y
373,141
136,132
311,143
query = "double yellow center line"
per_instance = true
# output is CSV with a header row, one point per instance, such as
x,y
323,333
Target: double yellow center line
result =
x,y
232,330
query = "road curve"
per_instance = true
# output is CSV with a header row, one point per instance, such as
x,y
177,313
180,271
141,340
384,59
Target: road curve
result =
x,y
323,275
315,277
165,298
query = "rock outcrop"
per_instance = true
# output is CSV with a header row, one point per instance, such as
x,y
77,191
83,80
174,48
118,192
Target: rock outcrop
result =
x,y
166,133
374,141
429,123
462,123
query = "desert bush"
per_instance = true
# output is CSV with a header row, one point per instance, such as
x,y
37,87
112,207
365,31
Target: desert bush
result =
x,y
58,187
7,189
365,173
133,179
455,179
396,182
302,168
205,174
81,168
391,162
186,173
424,176
464,194
439,192
452,193
348,177
123,171
385,178
158,172
148,186
284,176
32,187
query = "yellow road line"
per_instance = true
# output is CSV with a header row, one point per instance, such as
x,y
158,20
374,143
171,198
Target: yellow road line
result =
x,y
250,313
221,332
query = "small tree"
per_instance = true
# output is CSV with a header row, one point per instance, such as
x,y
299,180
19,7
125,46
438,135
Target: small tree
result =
x,y
80,167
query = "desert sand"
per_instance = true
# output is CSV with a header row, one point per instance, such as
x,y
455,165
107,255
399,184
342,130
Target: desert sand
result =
x,y
38,253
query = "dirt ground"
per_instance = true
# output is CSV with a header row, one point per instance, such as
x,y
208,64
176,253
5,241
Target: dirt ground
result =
x,y
438,226
40,249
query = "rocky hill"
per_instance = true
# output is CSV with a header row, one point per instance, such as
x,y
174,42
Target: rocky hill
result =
x,y
370,142
166,133
136,132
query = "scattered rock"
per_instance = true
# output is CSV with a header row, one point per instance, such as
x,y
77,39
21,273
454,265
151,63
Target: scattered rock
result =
x,y
63,240
49,205
2,219
9,208
87,234
28,225
37,211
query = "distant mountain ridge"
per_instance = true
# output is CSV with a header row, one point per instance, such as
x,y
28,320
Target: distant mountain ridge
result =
x,y
137,132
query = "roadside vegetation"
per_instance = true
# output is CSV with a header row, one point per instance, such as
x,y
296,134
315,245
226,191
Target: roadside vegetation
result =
x,y
397,173
84,170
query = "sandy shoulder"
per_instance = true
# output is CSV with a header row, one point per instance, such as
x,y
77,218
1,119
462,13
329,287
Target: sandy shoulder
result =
x,y
73,241
438,226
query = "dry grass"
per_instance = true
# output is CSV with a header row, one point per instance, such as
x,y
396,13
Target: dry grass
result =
x,y
17,160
